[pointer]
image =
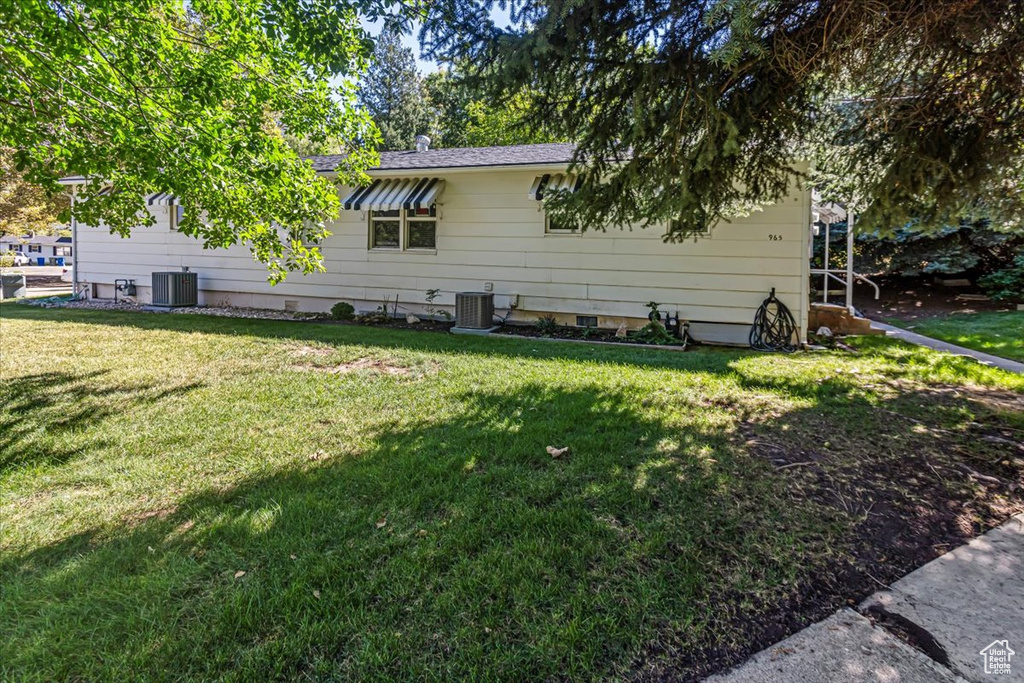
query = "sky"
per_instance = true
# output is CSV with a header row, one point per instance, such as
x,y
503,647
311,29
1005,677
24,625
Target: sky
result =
x,y
411,41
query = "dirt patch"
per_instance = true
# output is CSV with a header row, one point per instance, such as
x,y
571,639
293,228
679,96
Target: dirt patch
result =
x,y
150,515
906,481
908,299
306,350
373,366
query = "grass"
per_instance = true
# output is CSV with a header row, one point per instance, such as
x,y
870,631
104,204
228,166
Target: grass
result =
x,y
187,497
998,333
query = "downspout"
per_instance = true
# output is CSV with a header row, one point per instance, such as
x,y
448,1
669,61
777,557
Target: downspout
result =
x,y
74,245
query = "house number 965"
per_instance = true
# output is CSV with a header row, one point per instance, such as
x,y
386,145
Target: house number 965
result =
x,y
773,237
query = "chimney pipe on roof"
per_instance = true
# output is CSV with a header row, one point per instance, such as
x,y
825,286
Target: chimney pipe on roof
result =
x,y
422,143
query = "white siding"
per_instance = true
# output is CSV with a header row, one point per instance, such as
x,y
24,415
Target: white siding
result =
x,y
489,231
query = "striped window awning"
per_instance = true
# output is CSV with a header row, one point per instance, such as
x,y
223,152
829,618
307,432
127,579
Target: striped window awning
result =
x,y
553,182
162,199
389,194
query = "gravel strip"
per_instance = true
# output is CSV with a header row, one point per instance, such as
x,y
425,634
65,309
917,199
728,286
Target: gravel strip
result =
x,y
221,311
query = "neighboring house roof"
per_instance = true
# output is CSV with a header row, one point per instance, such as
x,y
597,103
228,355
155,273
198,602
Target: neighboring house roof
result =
x,y
555,153
44,240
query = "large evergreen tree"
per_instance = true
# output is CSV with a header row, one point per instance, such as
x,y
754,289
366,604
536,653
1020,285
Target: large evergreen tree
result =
x,y
394,95
693,109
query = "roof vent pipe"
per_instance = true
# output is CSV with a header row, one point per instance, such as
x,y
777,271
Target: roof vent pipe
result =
x,y
422,143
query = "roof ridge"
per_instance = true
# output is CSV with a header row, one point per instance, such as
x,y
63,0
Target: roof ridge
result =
x,y
540,153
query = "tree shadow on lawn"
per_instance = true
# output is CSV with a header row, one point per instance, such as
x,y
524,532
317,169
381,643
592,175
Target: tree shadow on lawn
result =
x,y
42,414
661,545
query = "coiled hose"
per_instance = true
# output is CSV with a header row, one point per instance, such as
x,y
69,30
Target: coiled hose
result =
x,y
774,328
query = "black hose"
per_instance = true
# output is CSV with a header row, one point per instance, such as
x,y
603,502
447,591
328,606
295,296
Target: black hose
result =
x,y
774,328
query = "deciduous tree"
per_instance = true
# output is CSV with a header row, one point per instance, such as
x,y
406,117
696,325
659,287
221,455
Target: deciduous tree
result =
x,y
191,98
25,207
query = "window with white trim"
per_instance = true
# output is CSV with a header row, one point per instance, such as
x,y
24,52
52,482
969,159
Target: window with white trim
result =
x,y
62,251
404,229
175,215
553,226
35,248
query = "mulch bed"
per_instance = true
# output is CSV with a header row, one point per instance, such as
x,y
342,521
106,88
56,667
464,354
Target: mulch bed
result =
x,y
391,324
529,331
590,334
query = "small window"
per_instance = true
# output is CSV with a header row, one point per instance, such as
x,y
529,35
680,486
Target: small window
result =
x,y
385,229
586,321
674,227
554,227
35,248
62,251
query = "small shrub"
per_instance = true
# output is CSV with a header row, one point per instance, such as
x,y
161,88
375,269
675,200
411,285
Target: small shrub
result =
x,y
1006,284
431,310
343,310
655,333
547,324
6,259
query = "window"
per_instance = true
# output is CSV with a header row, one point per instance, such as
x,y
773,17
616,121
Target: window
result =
x,y
684,233
37,248
176,214
62,251
385,228
553,226
421,228
408,229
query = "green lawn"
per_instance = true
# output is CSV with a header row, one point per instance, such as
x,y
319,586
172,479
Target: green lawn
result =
x,y
998,333
188,497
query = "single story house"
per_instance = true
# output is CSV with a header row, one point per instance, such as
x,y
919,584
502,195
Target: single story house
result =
x,y
48,247
460,220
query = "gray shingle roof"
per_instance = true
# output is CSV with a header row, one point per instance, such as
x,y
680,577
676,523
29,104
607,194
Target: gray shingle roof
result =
x,y
44,240
462,157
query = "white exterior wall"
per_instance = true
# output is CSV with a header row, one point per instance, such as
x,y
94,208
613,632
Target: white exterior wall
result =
x,y
489,231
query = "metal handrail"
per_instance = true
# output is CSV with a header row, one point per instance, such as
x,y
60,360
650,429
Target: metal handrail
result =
x,y
831,272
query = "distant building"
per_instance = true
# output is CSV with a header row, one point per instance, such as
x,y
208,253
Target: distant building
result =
x,y
47,247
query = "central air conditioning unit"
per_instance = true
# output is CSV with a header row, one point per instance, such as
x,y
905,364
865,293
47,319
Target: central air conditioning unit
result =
x,y
175,288
474,310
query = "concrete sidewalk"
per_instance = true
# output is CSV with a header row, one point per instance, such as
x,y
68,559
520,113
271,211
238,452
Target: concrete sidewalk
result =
x,y
938,345
950,609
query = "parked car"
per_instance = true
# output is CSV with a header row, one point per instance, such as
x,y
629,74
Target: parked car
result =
x,y
20,259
